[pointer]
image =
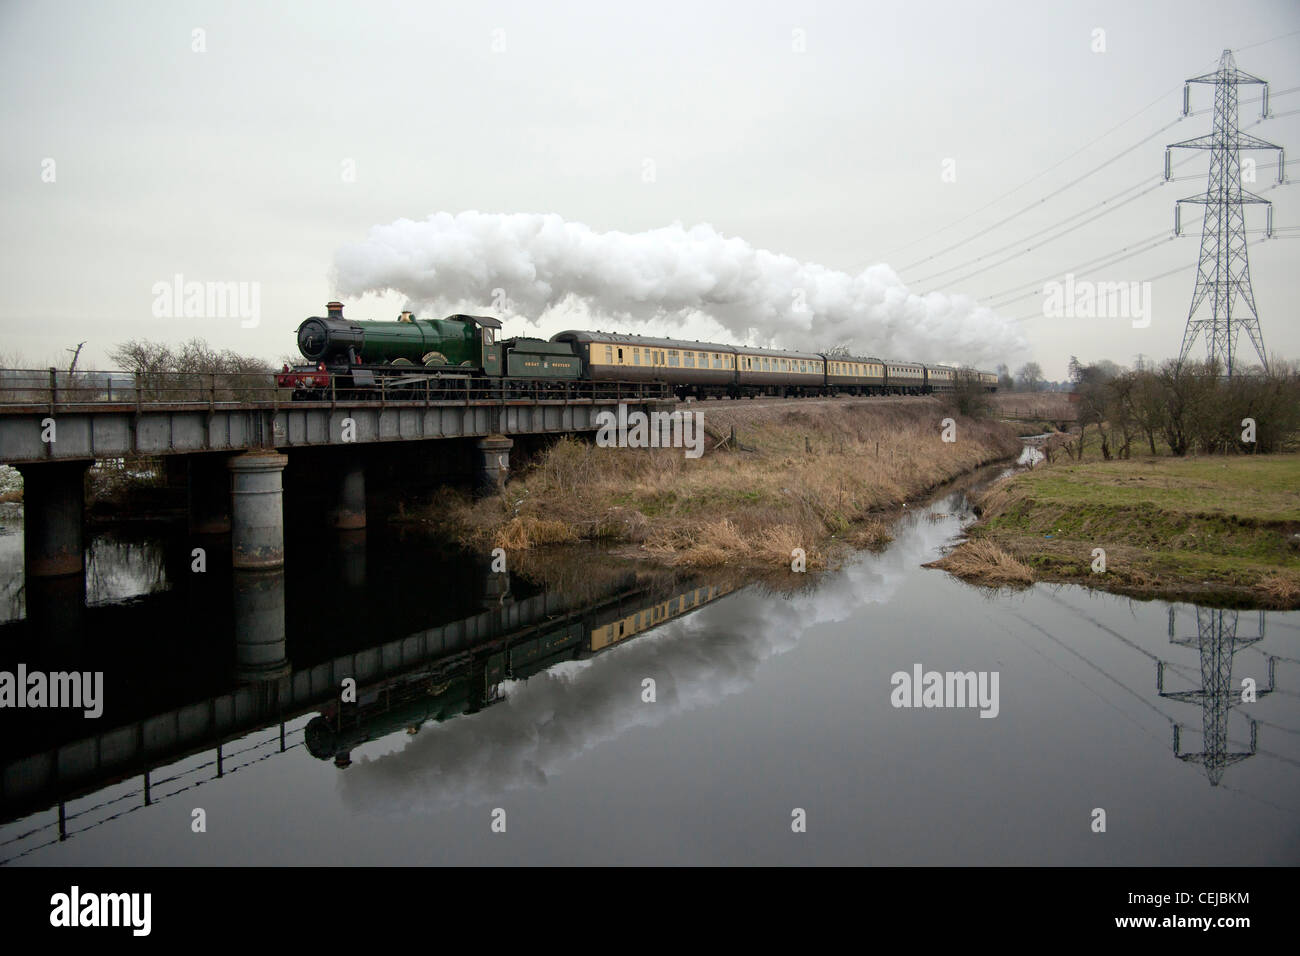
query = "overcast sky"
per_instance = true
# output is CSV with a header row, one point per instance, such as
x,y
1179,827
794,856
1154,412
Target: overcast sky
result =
x,y
817,131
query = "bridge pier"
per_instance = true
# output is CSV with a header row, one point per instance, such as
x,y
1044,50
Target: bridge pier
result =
x,y
54,499
349,511
257,510
493,464
209,494
260,646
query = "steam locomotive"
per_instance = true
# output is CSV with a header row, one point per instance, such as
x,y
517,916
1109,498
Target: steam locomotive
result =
x,y
355,357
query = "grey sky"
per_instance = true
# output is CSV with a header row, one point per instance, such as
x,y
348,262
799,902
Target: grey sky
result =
x,y
226,165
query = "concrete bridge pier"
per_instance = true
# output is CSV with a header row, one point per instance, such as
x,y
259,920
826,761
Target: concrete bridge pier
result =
x,y
260,647
493,464
349,510
54,499
209,494
352,558
257,510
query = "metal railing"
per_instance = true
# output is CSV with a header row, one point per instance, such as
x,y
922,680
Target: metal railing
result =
x,y
30,390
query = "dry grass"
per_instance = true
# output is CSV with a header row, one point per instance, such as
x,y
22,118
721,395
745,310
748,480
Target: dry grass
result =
x,y
871,535
1282,589
814,471
1039,406
520,534
983,562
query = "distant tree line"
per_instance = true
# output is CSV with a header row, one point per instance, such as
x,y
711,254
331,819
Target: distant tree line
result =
x,y
1189,408
1028,378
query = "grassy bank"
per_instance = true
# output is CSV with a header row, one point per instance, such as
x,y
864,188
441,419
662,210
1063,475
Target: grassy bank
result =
x,y
821,476
1215,529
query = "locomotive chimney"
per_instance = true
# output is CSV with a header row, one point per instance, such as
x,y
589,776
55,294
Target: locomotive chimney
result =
x,y
335,309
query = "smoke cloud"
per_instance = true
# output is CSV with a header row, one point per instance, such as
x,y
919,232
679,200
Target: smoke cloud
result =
x,y
693,282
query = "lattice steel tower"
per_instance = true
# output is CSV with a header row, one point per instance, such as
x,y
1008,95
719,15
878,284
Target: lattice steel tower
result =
x,y
1223,297
1218,642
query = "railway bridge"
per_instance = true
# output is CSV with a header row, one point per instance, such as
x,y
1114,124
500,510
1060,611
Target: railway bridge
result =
x,y
229,437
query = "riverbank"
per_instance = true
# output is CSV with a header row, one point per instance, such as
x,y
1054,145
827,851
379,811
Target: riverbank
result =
x,y
821,476
1222,530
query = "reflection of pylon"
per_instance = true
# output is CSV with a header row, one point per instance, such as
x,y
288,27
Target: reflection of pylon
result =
x,y
1217,642
1223,276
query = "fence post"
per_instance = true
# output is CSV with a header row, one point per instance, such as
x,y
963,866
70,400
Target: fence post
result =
x,y
54,388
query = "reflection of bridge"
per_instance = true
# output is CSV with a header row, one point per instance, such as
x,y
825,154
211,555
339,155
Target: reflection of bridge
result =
x,y
434,673
1217,641
223,434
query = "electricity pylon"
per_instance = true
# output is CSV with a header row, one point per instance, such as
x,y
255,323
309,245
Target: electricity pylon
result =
x,y
1223,275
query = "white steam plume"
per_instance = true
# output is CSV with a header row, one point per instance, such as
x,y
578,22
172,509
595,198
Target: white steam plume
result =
x,y
672,278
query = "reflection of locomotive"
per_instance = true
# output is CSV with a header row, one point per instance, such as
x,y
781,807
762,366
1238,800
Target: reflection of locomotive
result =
x,y
448,353
439,692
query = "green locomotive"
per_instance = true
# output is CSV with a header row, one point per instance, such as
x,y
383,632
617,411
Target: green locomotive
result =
x,y
355,354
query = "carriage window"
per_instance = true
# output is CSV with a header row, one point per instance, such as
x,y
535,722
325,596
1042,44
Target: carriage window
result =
x,y
609,354
688,359
717,361
636,356
620,356
673,357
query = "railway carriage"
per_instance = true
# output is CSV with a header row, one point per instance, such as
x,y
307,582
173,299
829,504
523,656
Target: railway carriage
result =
x,y
773,372
854,375
939,378
904,378
701,369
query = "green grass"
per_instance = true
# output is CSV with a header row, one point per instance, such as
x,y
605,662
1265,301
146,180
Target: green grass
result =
x,y
1263,488
1164,522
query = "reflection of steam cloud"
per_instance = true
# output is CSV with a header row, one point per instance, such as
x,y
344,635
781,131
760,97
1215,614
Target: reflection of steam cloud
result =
x,y
556,715
672,274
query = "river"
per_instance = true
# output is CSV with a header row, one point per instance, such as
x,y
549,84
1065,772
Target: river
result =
x,y
618,716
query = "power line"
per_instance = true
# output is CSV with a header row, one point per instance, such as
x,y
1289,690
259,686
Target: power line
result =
x,y
1293,233
1051,195
1125,252
1152,187
1269,40
1031,179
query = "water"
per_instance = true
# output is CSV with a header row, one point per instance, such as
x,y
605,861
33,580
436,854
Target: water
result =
x,y
765,702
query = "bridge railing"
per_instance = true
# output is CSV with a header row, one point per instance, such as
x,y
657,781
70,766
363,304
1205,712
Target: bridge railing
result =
x,y
58,387
48,388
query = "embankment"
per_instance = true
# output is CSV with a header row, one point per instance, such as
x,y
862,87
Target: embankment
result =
x,y
821,476
1215,530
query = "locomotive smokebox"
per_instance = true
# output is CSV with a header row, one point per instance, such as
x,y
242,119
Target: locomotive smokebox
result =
x,y
323,339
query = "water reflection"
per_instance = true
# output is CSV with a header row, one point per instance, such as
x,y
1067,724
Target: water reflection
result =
x,y
119,567
1217,643
473,684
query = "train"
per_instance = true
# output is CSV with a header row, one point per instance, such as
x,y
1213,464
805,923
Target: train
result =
x,y
357,356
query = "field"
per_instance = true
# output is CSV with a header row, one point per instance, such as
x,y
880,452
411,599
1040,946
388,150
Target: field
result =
x,y
817,476
1214,529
